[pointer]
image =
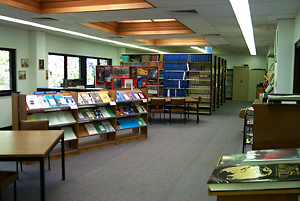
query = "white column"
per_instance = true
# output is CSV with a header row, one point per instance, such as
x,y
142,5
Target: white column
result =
x,y
285,56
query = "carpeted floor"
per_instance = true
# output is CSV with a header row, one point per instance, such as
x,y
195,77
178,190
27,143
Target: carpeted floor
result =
x,y
174,163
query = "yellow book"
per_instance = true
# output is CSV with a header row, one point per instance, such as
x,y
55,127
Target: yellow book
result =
x,y
30,117
104,96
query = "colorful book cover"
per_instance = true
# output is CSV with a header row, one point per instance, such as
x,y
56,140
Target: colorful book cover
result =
x,y
90,128
141,95
104,96
255,177
44,103
141,121
272,156
80,100
80,116
99,127
124,96
96,97
104,112
33,102
60,100
100,74
129,95
232,159
97,113
133,72
108,127
87,98
51,101
141,109
118,96
134,95
141,81
70,101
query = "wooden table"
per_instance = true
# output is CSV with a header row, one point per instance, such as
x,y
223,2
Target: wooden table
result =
x,y
187,100
257,195
32,146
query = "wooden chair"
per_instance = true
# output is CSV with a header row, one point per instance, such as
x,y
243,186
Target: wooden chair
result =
x,y
177,106
157,105
34,125
6,178
193,108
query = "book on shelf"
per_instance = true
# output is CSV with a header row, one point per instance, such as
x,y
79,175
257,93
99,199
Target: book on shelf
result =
x,y
60,100
134,95
87,98
118,96
51,101
88,114
96,97
141,121
68,133
30,117
80,116
272,156
44,103
90,128
110,112
105,97
128,123
52,117
141,108
33,102
124,96
107,125
141,95
80,100
255,177
39,116
119,127
68,116
232,159
99,127
97,113
104,112
70,101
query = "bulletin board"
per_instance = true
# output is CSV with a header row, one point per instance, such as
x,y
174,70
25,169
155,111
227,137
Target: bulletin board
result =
x,y
115,77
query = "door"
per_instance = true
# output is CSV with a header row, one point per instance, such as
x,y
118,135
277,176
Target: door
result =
x,y
240,83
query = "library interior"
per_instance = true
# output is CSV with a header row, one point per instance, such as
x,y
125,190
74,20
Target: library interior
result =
x,y
150,100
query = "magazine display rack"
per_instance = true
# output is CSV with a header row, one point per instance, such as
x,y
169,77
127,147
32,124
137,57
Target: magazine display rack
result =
x,y
92,122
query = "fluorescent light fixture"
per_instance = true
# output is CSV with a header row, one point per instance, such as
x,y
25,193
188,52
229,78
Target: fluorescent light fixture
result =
x,y
198,48
76,33
241,9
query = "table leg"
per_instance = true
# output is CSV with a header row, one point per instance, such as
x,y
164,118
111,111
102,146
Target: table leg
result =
x,y
197,112
42,179
63,157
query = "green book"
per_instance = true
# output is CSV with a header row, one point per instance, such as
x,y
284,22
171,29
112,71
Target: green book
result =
x,y
99,127
110,112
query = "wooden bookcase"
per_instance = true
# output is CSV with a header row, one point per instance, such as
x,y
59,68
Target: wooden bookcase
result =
x,y
84,141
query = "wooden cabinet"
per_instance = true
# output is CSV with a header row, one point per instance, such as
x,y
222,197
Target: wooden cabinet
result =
x,y
275,126
256,76
240,83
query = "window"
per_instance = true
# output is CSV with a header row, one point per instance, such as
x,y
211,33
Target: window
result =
x,y
56,70
7,71
73,67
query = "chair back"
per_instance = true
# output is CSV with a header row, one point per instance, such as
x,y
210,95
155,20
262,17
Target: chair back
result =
x,y
158,102
177,101
242,113
34,125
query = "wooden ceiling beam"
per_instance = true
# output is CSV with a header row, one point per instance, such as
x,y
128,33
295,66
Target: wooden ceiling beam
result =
x,y
176,41
68,6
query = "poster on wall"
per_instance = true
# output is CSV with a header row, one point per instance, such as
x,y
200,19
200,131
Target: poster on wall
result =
x,y
133,72
100,74
117,83
152,75
108,74
142,71
121,72
128,83
141,81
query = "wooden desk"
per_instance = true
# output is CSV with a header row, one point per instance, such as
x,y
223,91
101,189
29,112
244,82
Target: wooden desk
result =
x,y
257,195
187,100
32,146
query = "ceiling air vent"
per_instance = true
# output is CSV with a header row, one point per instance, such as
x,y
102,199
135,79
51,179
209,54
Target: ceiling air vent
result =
x,y
45,19
185,11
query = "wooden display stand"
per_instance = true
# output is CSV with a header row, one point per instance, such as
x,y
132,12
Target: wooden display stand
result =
x,y
83,141
275,126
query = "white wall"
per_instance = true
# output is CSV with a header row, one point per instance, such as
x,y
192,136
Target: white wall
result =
x,y
30,44
254,62
285,57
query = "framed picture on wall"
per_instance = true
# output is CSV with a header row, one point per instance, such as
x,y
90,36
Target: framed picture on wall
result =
x,y
22,75
41,64
24,63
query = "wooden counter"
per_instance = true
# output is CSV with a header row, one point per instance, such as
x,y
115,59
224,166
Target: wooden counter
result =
x,y
276,126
